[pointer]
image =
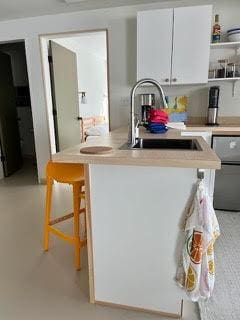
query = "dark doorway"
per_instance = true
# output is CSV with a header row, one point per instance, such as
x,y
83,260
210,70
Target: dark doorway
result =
x,y
16,124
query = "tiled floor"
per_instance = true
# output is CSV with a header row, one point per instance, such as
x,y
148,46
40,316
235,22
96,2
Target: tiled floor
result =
x,y
36,285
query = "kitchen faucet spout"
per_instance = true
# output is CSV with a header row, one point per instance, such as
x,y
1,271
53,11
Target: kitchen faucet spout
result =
x,y
133,126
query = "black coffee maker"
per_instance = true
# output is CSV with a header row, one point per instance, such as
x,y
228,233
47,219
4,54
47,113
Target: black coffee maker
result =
x,y
147,103
212,115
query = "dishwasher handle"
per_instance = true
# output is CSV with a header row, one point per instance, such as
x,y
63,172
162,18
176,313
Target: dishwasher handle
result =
x,y
231,163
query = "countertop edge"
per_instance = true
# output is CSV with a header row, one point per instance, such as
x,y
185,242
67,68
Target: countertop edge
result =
x,y
178,163
205,159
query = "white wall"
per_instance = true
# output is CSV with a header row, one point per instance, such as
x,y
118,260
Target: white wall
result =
x,y
92,78
91,54
121,23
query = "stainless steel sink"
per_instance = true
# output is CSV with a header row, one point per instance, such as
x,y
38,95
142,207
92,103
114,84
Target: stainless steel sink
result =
x,y
167,144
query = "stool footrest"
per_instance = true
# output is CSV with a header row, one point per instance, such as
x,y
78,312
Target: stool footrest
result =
x,y
62,235
63,218
66,237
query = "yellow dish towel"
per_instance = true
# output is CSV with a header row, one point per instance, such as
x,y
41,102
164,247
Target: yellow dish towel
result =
x,y
196,272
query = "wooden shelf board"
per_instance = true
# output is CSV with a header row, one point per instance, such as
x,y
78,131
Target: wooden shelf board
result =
x,y
225,45
223,79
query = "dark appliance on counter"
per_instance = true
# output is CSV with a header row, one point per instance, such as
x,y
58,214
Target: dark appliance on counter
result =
x,y
212,115
147,103
227,180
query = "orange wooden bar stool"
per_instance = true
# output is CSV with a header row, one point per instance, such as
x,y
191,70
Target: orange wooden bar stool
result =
x,y
71,174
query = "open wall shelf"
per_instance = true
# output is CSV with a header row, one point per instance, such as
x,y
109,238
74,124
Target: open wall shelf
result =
x,y
226,45
233,80
223,79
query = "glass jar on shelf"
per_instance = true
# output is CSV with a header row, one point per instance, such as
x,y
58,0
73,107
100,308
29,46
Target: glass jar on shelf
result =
x,y
212,73
222,72
237,70
213,70
231,70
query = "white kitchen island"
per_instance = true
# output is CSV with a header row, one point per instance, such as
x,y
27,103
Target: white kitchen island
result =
x,y
136,201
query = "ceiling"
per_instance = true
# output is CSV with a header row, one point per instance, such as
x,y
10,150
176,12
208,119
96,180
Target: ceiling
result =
x,y
12,9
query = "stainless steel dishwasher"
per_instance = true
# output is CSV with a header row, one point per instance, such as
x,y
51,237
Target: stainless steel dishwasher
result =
x,y
227,180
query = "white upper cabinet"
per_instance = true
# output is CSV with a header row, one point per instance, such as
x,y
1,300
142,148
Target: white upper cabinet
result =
x,y
173,45
155,44
191,44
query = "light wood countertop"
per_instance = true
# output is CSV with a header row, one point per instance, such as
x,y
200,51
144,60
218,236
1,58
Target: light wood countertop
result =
x,y
216,130
205,159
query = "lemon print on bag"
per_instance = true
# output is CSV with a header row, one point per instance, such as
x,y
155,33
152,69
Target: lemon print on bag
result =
x,y
211,267
210,249
191,279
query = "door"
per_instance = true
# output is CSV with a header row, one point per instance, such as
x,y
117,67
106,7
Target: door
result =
x,y
66,95
227,188
154,44
227,148
1,164
191,44
26,131
54,107
9,131
227,183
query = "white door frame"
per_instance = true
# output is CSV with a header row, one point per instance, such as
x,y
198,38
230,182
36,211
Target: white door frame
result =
x,y
43,42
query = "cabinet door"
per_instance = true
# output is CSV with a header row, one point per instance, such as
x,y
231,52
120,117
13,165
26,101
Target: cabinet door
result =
x,y
154,44
191,44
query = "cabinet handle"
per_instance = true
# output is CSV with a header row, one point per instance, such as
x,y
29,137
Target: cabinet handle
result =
x,y
166,80
174,79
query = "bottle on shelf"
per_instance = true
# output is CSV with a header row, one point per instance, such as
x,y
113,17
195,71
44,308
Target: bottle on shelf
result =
x,y
216,33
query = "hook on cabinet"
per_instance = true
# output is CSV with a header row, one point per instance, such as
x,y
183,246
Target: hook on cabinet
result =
x,y
200,174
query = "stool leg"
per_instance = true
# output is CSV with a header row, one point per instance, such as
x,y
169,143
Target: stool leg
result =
x,y
85,220
47,213
76,208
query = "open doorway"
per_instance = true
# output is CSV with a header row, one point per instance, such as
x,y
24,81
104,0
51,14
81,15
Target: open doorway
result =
x,y
17,147
75,71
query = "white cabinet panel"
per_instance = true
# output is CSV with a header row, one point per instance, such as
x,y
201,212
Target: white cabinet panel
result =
x,y
135,234
154,41
191,44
